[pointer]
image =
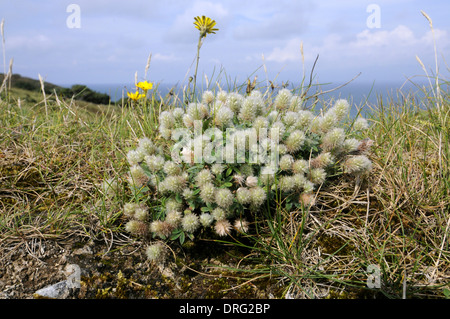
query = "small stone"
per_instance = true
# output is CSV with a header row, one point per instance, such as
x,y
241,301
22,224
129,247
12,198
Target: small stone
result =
x,y
59,290
86,250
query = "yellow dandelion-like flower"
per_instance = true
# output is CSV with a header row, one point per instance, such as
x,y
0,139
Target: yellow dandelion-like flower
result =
x,y
135,96
205,25
145,86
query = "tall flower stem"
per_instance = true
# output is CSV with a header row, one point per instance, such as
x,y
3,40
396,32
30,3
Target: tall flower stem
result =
x,y
205,25
200,42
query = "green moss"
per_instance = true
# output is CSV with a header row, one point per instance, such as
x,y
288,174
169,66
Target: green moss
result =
x,y
335,245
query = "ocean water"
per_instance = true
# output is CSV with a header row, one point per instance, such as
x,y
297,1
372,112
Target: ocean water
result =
x,y
362,96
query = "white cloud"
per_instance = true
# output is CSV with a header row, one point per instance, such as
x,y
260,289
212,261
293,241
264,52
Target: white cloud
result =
x,y
290,52
400,35
164,57
379,46
440,36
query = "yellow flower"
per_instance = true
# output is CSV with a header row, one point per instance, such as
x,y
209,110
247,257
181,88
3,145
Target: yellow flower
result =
x,y
205,25
135,96
145,86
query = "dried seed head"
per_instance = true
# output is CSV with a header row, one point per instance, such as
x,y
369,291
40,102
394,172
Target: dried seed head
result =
x,y
206,219
224,198
155,252
243,195
357,164
161,228
241,225
190,223
222,227
136,227
364,146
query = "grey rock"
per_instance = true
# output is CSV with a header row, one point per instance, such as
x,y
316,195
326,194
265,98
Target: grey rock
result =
x,y
59,290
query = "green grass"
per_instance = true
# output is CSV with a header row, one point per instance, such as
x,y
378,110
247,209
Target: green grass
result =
x,y
54,155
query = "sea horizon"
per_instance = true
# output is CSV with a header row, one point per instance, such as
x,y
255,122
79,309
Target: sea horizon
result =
x,y
359,94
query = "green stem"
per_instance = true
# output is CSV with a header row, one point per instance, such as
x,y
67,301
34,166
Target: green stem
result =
x,y
196,66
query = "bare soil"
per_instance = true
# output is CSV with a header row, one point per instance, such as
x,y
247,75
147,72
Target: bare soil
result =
x,y
124,272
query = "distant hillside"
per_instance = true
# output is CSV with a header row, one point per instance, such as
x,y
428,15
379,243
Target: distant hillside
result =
x,y
78,91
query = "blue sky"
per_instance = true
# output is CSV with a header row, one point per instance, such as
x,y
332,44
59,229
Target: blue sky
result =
x,y
115,39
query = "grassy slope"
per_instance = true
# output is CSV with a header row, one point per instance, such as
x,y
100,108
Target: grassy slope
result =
x,y
54,154
29,89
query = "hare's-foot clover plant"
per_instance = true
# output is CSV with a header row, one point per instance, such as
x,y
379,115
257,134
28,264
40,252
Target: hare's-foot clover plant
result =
x,y
227,156
223,158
